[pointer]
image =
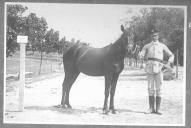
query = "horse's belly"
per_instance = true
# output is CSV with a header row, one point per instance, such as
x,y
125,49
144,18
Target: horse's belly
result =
x,y
90,67
91,63
91,70
93,73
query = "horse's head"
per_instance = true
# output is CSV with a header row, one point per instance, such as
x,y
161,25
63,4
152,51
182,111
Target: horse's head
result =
x,y
126,43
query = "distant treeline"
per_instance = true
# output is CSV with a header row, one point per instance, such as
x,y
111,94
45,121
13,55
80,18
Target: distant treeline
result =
x,y
39,37
169,21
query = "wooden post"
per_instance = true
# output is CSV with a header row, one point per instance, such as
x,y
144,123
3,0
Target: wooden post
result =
x,y
22,40
177,63
40,60
41,43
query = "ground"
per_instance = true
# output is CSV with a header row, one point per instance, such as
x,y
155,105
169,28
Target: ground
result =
x,y
87,96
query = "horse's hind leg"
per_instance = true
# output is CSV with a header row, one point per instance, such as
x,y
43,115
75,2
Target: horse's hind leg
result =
x,y
73,78
107,88
63,93
112,92
66,86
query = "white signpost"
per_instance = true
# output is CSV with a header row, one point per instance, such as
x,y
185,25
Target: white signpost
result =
x,y
22,40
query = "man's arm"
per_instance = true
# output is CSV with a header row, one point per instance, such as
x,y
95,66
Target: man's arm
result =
x,y
143,52
169,53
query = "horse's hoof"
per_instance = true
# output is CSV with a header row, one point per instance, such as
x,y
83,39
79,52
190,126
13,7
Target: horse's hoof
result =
x,y
105,112
60,106
69,106
158,113
113,111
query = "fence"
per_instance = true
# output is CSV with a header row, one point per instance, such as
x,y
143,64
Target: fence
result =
x,y
50,64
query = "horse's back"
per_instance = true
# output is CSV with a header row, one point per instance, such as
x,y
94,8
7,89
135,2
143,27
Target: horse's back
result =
x,y
70,53
90,60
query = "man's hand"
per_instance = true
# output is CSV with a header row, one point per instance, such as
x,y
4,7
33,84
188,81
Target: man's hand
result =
x,y
140,56
169,64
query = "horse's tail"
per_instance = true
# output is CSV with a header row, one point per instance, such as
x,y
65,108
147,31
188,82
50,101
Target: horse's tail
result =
x,y
70,53
65,54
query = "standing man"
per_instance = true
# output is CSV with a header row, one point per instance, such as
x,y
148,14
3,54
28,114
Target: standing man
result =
x,y
154,56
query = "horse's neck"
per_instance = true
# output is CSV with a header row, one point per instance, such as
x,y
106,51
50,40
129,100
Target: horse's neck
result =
x,y
117,48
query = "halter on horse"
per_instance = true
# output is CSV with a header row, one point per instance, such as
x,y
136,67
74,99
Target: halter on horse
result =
x,y
107,61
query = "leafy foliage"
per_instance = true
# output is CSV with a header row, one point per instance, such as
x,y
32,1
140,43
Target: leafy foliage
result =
x,y
169,21
40,39
51,41
15,25
36,29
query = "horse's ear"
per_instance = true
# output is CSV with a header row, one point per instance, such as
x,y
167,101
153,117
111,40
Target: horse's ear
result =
x,y
122,28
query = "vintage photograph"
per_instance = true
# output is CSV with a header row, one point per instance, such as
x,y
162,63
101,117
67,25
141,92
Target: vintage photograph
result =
x,y
94,64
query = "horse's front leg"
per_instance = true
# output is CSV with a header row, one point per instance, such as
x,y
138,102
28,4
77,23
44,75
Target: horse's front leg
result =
x,y
107,88
112,92
63,93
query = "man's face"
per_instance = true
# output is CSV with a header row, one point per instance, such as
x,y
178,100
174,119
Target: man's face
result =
x,y
155,38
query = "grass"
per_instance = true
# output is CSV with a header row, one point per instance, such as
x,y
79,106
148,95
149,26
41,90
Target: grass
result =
x,y
50,64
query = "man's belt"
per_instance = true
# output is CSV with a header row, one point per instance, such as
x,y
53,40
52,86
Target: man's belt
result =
x,y
162,61
155,59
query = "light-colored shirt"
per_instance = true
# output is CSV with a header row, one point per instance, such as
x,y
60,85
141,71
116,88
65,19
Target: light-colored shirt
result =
x,y
155,50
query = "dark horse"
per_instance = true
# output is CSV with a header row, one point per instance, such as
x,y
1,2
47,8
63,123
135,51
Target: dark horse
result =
x,y
107,61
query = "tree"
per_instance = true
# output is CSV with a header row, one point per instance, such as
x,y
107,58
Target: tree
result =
x,y
62,45
36,29
15,25
169,21
51,41
32,26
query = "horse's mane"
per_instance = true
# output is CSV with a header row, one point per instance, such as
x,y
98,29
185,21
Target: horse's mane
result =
x,y
118,42
116,47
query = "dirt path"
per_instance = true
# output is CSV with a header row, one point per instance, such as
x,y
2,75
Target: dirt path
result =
x,y
87,95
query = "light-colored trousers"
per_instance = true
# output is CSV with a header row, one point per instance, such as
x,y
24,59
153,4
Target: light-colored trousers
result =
x,y
155,82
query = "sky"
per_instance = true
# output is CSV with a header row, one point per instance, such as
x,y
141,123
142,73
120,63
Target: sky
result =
x,y
96,24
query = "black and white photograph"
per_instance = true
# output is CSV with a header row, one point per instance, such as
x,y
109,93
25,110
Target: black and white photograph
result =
x,y
95,64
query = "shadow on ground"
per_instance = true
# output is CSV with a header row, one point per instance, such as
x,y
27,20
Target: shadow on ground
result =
x,y
78,111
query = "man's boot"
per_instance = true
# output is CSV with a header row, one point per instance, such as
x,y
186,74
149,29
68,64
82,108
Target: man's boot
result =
x,y
158,102
151,104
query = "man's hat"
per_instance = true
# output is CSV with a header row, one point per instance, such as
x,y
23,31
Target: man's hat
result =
x,y
154,32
